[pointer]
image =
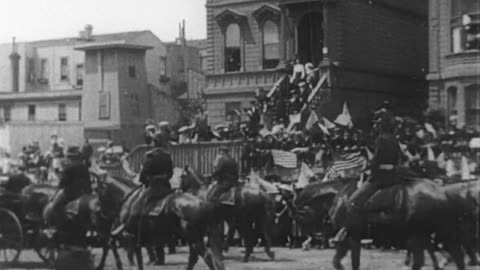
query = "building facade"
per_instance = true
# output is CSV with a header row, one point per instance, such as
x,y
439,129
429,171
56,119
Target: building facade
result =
x,y
454,78
91,86
372,50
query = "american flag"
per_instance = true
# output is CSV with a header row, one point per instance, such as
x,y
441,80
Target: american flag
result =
x,y
353,162
284,159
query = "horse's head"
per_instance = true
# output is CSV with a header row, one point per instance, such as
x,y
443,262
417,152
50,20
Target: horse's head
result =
x,y
191,180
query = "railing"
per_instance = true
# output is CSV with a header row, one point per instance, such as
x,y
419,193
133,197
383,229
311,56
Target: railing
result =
x,y
241,80
199,156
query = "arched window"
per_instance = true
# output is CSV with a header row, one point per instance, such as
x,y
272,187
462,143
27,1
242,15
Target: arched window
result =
x,y
465,25
233,51
271,45
452,101
472,102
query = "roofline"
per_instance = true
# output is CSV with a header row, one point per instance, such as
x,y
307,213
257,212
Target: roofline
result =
x,y
74,38
121,44
40,95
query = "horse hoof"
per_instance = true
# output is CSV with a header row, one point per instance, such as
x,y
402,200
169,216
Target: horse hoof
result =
x,y
338,265
271,255
159,263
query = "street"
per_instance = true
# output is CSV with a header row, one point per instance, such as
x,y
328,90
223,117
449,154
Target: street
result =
x,y
285,259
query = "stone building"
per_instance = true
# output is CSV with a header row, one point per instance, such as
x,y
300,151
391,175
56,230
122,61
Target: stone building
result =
x,y
95,86
370,50
454,78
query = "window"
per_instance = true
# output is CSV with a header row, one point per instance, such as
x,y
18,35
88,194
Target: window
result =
x,y
232,48
62,112
472,101
7,113
465,23
163,66
43,70
31,112
271,45
64,69
230,108
79,75
452,101
104,106
31,70
132,71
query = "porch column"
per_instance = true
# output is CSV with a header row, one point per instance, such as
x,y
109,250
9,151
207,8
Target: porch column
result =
x,y
283,34
325,11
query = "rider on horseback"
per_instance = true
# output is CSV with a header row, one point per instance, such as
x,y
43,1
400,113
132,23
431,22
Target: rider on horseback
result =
x,y
387,157
226,173
74,182
157,170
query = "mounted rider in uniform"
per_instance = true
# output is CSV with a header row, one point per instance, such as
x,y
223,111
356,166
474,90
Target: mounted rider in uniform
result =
x,y
387,157
74,182
157,169
225,171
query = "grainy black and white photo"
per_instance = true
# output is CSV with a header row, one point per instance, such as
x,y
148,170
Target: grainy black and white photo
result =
x,y
240,134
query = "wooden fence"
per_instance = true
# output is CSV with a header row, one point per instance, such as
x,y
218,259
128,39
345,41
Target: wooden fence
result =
x,y
199,156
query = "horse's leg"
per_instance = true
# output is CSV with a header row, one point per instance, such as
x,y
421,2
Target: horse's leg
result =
x,y
355,248
105,250
266,224
417,247
152,255
245,227
408,257
139,257
118,261
160,251
172,244
192,257
341,250
433,257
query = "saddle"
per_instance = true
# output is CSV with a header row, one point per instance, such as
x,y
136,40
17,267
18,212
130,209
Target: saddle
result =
x,y
387,205
228,198
80,206
160,206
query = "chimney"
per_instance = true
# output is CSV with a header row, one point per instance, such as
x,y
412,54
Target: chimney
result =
x,y
88,32
15,66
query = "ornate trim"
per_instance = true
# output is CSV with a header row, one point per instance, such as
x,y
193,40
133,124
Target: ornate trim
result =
x,y
229,16
267,12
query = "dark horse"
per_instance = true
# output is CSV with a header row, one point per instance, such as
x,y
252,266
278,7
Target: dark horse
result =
x,y
182,214
253,211
417,208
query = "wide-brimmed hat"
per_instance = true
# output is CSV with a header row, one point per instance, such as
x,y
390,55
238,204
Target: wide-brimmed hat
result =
x,y
73,151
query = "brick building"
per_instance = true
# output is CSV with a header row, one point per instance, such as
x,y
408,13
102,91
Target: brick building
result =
x,y
95,86
371,50
454,78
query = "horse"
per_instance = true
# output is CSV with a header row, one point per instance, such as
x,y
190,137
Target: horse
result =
x,y
465,197
252,211
178,213
417,208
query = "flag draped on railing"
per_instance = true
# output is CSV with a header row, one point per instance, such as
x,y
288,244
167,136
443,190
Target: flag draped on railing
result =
x,y
351,161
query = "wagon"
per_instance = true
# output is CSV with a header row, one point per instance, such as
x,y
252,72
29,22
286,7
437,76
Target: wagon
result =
x,y
19,231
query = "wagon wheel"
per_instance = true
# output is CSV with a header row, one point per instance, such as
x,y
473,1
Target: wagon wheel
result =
x,y
11,237
45,248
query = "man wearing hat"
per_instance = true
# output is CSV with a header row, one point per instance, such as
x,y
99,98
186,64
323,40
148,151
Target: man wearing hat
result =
x,y
225,170
74,182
